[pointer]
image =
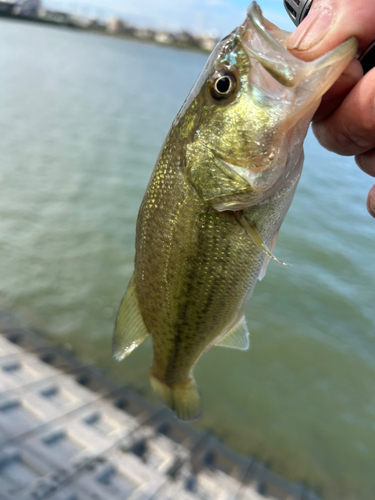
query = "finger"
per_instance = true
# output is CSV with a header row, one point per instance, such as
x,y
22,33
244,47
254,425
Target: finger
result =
x,y
366,162
350,129
371,202
331,22
350,76
332,99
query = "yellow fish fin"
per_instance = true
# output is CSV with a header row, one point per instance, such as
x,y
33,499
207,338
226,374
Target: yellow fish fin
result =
x,y
183,398
237,337
130,330
253,232
267,258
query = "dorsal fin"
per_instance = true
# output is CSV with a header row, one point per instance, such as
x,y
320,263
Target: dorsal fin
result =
x,y
130,330
237,337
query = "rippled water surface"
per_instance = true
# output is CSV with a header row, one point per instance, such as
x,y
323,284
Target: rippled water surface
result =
x,y
82,119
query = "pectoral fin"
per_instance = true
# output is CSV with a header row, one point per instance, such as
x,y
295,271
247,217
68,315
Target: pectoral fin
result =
x,y
253,232
267,258
130,329
237,337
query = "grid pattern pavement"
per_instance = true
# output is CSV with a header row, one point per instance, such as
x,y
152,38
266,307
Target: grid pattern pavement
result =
x,y
66,433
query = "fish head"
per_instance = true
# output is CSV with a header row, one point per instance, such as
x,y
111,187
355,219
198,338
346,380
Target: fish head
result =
x,y
249,112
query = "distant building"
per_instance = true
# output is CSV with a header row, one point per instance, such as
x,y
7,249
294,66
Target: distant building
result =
x,y
87,22
28,8
55,16
207,42
115,26
163,37
6,7
145,33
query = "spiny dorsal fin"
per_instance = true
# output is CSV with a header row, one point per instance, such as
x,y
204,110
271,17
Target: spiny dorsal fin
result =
x,y
237,337
130,329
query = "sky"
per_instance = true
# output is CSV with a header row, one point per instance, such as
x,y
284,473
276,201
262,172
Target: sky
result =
x,y
218,17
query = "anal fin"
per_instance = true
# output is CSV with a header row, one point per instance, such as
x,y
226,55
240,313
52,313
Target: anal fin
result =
x,y
130,330
237,337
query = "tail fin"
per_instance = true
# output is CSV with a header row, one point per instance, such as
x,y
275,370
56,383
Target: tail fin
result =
x,y
183,399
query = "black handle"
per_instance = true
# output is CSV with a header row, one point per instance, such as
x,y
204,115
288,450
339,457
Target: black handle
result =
x,y
298,10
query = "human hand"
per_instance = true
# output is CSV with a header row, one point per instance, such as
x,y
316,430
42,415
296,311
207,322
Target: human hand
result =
x,y
345,120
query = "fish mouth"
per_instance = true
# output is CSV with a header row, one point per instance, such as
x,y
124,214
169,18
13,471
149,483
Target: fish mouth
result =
x,y
267,44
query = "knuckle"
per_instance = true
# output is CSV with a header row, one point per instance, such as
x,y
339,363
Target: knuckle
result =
x,y
333,138
352,138
366,162
344,138
350,129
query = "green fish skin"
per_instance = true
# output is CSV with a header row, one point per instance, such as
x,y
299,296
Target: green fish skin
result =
x,y
220,190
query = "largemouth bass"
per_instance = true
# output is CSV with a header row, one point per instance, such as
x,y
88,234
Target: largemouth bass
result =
x,y
220,190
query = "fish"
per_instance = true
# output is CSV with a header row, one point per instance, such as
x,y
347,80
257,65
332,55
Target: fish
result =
x,y
221,187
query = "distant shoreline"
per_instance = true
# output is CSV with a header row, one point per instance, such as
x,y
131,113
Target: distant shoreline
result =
x,y
97,31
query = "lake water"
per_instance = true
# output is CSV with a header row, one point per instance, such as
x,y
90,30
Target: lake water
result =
x,y
82,119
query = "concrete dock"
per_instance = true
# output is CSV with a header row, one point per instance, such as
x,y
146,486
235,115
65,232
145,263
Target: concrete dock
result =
x,y
68,433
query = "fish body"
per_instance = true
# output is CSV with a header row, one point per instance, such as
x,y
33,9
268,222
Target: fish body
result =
x,y
220,190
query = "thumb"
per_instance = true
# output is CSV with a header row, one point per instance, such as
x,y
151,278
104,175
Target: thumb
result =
x,y
331,22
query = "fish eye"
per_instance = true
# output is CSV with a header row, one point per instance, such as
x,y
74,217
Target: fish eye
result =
x,y
223,85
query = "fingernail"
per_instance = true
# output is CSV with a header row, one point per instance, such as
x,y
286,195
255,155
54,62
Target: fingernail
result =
x,y
311,31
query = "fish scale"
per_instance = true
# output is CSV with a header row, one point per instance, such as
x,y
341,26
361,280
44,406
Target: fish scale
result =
x,y
220,190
